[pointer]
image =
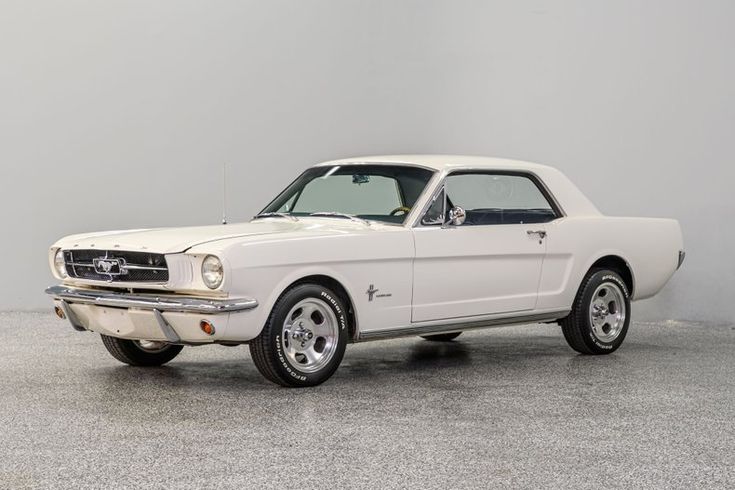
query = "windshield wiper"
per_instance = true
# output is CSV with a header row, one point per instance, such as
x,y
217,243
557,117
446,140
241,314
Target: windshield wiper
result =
x,y
334,214
276,215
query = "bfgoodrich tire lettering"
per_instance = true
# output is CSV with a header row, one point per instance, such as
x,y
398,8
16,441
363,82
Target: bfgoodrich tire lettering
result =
x,y
600,316
304,339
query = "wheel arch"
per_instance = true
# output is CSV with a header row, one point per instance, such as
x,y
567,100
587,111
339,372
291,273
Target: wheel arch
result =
x,y
335,285
618,264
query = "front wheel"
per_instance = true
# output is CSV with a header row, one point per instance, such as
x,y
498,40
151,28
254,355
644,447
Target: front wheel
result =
x,y
304,339
141,352
600,314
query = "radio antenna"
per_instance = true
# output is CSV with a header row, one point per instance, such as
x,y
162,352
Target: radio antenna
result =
x,y
224,193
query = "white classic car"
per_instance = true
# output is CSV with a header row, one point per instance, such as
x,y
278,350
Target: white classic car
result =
x,y
365,249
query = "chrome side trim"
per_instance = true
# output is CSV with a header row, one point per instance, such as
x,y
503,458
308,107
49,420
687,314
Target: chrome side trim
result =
x,y
72,317
166,328
454,327
181,304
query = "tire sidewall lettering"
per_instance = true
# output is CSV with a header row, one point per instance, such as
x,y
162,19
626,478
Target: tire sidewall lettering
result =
x,y
282,359
336,308
290,370
618,282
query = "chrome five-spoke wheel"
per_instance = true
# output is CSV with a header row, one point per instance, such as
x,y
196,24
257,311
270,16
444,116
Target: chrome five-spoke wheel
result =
x,y
600,315
310,335
607,312
304,339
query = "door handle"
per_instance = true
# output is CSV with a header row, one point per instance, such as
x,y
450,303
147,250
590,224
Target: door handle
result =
x,y
541,233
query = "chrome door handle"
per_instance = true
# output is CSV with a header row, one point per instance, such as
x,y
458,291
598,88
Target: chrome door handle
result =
x,y
540,233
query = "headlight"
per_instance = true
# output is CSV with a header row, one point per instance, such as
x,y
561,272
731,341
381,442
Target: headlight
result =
x,y
212,272
59,264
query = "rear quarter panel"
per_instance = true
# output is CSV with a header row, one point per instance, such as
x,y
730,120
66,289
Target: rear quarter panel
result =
x,y
650,247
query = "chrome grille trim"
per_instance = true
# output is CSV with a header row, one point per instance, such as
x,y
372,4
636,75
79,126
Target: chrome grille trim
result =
x,y
133,266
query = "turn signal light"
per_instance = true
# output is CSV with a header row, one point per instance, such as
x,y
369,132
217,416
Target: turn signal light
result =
x,y
59,312
206,327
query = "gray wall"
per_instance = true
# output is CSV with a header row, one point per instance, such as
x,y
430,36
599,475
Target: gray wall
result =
x,y
120,114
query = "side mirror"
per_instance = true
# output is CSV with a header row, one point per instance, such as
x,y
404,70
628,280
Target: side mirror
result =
x,y
457,215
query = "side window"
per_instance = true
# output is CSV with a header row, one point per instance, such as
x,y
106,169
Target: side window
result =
x,y
498,199
435,214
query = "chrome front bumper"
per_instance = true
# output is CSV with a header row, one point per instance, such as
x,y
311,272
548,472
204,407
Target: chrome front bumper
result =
x,y
144,318
173,303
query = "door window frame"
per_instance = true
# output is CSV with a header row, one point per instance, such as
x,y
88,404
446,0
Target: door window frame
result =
x,y
441,187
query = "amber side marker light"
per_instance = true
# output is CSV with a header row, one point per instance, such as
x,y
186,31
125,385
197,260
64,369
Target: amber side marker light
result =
x,y
59,312
206,327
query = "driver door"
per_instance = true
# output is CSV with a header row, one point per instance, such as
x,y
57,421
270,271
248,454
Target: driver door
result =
x,y
491,263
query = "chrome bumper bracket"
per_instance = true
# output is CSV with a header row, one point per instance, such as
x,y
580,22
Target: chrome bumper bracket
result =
x,y
72,317
168,331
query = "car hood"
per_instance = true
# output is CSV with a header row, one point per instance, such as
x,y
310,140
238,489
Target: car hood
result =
x,y
174,240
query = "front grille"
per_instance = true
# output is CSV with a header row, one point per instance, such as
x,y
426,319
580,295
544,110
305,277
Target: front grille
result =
x,y
122,266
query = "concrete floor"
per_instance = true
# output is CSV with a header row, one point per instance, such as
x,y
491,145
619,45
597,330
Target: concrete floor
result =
x,y
512,407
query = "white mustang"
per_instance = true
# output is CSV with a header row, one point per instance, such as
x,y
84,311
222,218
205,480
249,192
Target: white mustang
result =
x,y
370,248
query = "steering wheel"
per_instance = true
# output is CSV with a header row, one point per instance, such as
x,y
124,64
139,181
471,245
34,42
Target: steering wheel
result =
x,y
405,210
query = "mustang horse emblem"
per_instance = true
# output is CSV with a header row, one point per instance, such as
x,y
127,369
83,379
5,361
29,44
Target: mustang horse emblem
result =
x,y
371,292
111,267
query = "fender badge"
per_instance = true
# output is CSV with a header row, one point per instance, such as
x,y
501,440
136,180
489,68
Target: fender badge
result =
x,y
371,292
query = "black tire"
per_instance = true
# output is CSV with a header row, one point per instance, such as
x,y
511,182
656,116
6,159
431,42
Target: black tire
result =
x,y
268,350
578,328
441,337
133,353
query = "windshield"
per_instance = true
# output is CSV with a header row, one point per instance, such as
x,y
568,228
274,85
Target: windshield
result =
x,y
373,192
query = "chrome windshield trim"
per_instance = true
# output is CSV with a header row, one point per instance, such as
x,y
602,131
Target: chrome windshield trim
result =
x,y
335,214
397,163
275,215
181,304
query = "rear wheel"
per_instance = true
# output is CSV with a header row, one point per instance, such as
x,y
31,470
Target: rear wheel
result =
x,y
304,339
600,315
442,337
141,352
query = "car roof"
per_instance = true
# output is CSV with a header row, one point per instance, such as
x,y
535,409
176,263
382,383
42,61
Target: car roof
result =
x,y
440,162
572,201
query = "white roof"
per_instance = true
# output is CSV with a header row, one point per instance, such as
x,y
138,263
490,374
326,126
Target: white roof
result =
x,y
441,162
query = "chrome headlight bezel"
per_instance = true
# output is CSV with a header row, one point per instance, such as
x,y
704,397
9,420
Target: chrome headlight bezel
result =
x,y
60,264
213,272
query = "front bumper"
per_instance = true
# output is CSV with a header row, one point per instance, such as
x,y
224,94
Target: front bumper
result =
x,y
170,318
181,304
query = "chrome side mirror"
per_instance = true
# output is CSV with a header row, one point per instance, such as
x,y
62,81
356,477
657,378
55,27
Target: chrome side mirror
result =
x,y
457,215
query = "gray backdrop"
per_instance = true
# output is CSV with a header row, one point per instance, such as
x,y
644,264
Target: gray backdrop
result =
x,y
120,114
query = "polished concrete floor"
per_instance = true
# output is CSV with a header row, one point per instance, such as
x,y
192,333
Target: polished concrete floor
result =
x,y
504,407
